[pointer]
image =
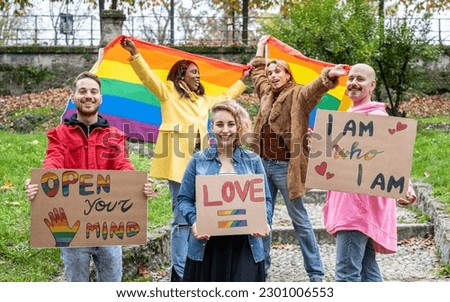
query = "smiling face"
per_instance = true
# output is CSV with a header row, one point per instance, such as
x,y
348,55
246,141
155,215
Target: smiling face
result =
x,y
87,97
225,128
277,75
361,83
192,77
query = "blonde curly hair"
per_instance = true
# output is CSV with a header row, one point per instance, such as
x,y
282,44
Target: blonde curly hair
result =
x,y
241,116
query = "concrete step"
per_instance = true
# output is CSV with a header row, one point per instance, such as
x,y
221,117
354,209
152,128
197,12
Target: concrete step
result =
x,y
286,234
312,196
283,233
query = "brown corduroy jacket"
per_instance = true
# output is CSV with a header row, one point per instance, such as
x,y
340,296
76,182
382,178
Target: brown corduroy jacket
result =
x,y
288,116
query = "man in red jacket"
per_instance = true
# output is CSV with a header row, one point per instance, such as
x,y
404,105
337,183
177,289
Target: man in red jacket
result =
x,y
87,141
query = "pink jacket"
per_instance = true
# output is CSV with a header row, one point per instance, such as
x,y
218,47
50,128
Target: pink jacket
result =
x,y
374,216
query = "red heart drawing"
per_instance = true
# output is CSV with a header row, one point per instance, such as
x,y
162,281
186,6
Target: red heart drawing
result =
x,y
320,169
329,175
391,131
400,126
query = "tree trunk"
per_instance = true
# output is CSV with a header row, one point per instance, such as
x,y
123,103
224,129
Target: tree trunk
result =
x,y
233,25
245,4
381,19
172,22
114,4
386,86
101,8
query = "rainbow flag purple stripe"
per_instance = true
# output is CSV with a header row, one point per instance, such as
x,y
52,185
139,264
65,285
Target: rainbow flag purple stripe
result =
x,y
128,104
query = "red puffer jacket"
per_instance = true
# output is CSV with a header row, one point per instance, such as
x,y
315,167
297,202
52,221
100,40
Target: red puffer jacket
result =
x,y
69,147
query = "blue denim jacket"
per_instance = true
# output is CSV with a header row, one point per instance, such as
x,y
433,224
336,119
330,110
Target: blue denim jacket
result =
x,y
207,163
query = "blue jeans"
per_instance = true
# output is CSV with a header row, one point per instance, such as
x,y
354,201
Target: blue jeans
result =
x,y
355,258
276,172
107,260
179,233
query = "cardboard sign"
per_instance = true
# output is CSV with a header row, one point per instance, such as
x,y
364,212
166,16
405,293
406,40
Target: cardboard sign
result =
x,y
360,153
230,204
88,208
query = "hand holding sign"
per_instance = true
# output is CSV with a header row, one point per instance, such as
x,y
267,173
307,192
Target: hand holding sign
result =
x,y
196,235
105,207
354,152
257,234
59,226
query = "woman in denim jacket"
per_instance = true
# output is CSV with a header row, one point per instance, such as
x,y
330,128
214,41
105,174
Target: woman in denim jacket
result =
x,y
223,258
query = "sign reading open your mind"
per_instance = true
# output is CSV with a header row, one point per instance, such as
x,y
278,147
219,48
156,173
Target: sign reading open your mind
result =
x,y
88,208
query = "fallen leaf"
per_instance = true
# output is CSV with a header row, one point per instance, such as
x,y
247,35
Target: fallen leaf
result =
x,y
143,271
7,185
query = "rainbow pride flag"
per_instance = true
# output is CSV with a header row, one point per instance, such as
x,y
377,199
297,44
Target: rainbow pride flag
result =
x,y
128,104
306,70
132,108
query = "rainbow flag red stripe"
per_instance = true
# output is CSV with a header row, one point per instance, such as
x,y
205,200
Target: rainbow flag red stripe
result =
x,y
128,104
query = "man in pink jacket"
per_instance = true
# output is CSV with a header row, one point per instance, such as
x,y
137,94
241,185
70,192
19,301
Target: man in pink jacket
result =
x,y
362,224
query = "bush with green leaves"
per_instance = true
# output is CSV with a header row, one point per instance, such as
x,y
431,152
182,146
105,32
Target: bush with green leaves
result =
x,y
402,57
329,30
351,32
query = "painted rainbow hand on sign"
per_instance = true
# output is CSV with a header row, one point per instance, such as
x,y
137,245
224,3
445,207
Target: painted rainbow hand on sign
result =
x,y
60,229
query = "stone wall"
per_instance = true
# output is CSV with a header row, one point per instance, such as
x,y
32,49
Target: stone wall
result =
x,y
33,69
37,68
438,213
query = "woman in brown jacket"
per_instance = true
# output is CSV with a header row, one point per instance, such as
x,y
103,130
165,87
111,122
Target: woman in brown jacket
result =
x,y
280,127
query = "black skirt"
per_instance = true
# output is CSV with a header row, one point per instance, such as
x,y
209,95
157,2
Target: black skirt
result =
x,y
226,259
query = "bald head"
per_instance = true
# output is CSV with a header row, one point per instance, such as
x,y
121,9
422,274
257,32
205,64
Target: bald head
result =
x,y
361,83
363,69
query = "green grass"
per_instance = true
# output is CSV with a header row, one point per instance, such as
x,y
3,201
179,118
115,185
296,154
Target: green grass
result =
x,y
445,270
431,156
19,262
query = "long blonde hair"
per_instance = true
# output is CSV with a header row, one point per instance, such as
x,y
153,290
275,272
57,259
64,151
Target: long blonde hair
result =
x,y
241,116
284,65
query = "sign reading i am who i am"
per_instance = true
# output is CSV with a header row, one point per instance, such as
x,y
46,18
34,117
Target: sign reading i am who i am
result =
x,y
361,153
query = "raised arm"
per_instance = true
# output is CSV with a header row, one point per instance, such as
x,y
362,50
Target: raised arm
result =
x,y
144,72
129,45
313,91
261,47
258,72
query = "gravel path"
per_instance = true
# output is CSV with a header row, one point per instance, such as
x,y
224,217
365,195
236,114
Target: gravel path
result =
x,y
416,259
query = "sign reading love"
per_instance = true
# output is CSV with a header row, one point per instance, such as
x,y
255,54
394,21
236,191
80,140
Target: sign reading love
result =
x,y
230,204
353,152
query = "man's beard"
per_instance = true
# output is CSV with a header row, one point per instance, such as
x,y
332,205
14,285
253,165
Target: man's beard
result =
x,y
86,113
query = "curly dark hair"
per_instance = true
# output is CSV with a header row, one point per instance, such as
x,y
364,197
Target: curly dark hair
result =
x,y
177,72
